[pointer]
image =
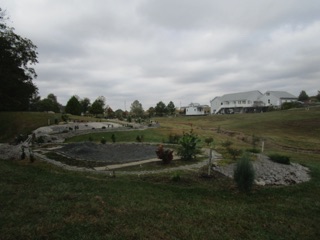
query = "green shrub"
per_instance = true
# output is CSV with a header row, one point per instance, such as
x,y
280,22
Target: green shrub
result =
x,y
176,177
189,147
113,138
174,138
253,150
208,141
279,158
244,174
103,140
234,152
139,138
226,144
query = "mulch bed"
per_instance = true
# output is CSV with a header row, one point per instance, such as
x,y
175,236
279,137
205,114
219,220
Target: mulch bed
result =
x,y
109,152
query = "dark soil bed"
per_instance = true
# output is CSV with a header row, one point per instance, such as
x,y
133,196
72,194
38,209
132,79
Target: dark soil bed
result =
x,y
109,153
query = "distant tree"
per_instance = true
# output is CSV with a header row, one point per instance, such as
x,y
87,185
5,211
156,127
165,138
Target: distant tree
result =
x,y
160,109
136,109
85,105
110,112
318,95
151,112
303,96
97,106
34,102
119,114
171,108
73,106
16,54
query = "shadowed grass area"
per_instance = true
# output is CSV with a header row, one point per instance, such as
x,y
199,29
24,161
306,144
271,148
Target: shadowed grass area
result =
x,y
40,201
14,123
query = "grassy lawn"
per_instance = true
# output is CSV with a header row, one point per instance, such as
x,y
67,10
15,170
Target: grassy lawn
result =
x,y
41,201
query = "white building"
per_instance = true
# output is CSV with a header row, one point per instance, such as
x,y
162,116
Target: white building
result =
x,y
277,98
253,101
236,102
195,109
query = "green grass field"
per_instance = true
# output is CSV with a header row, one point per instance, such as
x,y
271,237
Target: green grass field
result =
x,y
40,201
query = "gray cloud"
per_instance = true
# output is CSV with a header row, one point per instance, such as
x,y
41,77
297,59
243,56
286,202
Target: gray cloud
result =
x,y
181,51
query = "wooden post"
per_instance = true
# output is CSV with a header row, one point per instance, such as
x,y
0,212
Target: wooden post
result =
x,y
210,161
262,146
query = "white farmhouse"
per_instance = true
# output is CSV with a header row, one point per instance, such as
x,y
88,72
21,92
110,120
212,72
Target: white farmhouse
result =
x,y
195,109
236,102
277,98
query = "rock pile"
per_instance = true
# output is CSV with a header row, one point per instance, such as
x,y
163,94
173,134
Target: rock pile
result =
x,y
268,172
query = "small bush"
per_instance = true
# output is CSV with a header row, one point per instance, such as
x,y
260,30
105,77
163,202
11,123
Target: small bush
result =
x,y
244,174
253,150
226,144
103,140
234,152
113,138
139,138
165,155
278,158
208,141
189,147
176,177
174,138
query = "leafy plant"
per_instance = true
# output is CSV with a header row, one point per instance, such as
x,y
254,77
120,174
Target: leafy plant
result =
x,y
189,147
226,144
234,152
176,177
139,138
255,140
103,140
113,138
174,138
279,158
165,155
244,174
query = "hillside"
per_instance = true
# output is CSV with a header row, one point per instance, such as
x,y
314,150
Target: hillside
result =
x,y
15,123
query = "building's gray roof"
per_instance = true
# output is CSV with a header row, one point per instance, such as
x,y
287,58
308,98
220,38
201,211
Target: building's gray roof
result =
x,y
240,96
281,94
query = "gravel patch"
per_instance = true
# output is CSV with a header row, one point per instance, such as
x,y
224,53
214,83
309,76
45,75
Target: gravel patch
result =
x,y
268,172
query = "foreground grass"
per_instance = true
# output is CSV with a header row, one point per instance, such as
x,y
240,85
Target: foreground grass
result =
x,y
39,201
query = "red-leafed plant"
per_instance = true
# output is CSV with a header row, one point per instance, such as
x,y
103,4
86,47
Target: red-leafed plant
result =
x,y
165,154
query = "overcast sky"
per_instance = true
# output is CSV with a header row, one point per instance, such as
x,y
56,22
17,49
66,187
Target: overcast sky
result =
x,y
170,50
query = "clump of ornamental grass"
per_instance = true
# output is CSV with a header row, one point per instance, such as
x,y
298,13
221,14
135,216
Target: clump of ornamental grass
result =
x,y
244,174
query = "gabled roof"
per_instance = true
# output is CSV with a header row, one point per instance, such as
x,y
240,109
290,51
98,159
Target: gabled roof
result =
x,y
240,95
281,94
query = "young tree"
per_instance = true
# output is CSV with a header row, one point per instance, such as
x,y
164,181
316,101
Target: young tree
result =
x,y
73,106
171,108
16,54
136,109
303,96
